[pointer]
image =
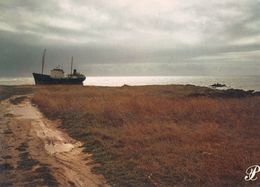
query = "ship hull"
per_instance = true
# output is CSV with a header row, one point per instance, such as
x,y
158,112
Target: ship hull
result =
x,y
41,79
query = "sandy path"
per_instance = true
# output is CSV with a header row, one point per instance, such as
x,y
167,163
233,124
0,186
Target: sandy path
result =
x,y
35,152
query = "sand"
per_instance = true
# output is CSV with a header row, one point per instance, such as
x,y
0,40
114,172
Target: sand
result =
x,y
34,151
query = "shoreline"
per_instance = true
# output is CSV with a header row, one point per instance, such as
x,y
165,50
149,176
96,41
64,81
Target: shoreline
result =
x,y
235,82
7,91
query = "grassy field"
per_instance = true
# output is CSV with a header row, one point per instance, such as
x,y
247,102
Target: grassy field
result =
x,y
8,91
160,135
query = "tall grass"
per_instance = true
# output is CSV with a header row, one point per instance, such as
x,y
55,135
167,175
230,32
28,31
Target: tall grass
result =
x,y
159,135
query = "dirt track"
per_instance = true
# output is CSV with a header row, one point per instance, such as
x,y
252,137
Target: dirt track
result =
x,y
34,152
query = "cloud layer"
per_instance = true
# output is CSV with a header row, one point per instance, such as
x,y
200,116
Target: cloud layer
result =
x,y
166,34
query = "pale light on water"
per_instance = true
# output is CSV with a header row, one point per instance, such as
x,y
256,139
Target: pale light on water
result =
x,y
244,82
17,81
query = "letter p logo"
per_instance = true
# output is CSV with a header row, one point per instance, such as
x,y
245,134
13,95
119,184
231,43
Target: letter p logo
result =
x,y
251,173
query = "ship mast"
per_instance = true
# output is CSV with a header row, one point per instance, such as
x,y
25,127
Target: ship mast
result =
x,y
43,59
71,65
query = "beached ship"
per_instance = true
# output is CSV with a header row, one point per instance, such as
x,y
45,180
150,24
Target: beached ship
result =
x,y
57,75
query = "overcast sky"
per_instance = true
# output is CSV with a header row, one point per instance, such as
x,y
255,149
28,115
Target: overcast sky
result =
x,y
131,37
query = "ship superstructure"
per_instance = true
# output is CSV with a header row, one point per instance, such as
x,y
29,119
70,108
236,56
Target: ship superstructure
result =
x,y
57,75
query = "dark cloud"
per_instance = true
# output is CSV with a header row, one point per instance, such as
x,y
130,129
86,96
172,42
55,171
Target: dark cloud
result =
x,y
124,37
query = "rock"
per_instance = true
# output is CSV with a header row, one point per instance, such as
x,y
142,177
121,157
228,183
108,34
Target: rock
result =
x,y
218,85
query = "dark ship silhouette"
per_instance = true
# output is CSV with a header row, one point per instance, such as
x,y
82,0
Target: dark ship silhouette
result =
x,y
57,75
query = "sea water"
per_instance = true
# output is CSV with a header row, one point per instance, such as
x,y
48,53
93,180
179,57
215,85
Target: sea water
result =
x,y
241,82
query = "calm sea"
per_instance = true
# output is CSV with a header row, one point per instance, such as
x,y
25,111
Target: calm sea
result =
x,y
242,82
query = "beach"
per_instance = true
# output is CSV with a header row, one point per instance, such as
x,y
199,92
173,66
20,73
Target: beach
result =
x,y
128,136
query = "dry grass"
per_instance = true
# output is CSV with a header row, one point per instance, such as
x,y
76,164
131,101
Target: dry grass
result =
x,y
160,135
8,91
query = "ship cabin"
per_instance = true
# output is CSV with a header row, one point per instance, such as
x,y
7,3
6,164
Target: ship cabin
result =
x,y
57,73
